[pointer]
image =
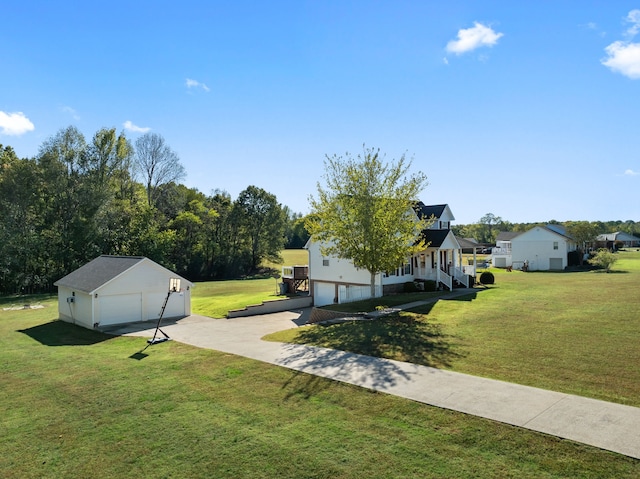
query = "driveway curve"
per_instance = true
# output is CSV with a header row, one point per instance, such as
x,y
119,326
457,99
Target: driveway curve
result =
x,y
609,426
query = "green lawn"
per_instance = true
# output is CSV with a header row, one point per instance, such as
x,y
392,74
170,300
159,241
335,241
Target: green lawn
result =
x,y
216,298
572,332
77,403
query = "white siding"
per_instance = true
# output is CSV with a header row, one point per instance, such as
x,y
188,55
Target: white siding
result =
x,y
80,311
537,247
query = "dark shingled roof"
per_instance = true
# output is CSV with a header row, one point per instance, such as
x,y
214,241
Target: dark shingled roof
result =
x,y
435,237
98,272
426,212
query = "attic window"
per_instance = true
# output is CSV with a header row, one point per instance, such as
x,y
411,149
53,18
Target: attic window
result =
x,y
325,262
555,245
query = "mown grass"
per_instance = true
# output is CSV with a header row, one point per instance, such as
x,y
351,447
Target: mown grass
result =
x,y
571,332
77,403
215,298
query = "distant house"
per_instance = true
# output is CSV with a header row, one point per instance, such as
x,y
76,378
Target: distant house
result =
x,y
334,280
121,289
542,248
619,237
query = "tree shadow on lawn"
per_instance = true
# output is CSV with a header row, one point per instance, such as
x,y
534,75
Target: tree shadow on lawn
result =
x,y
353,349
61,333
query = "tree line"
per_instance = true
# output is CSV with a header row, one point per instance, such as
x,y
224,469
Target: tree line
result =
x,y
78,199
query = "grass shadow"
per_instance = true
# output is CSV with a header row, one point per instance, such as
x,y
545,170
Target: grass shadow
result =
x,y
61,333
398,336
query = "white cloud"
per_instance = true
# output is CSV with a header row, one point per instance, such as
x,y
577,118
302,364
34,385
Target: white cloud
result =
x,y
631,173
634,19
14,124
128,125
196,84
70,111
594,26
471,38
624,58
445,60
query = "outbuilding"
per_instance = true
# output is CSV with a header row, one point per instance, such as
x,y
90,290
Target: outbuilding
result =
x,y
113,290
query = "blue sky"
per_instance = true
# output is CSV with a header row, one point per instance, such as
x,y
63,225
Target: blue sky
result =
x,y
528,110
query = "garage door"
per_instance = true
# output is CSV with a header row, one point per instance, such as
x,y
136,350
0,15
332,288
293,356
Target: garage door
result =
x,y
323,293
555,263
175,306
125,308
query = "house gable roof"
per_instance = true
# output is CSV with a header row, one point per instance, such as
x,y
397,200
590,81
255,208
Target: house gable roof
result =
x,y
438,211
436,238
543,228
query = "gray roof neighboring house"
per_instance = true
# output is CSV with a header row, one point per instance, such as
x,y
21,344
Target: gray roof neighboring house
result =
x,y
507,235
618,236
468,243
98,272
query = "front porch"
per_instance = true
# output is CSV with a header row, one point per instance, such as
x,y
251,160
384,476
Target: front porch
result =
x,y
444,266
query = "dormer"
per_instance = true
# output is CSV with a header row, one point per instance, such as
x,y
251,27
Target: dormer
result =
x,y
442,214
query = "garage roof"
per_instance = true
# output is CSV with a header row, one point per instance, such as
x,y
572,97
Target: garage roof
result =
x,y
98,272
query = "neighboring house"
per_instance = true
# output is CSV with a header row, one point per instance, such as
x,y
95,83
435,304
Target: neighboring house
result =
x,y
542,248
609,240
501,253
121,289
334,280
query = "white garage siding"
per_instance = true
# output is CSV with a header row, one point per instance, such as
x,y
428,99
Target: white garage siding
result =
x,y
120,289
123,308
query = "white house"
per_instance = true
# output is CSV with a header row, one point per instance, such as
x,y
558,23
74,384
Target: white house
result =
x,y
542,248
121,289
334,280
501,253
619,237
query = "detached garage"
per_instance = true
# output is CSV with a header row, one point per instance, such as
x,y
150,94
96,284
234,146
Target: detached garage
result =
x,y
121,289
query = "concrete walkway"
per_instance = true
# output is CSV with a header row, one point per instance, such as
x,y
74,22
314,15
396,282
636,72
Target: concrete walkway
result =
x,y
609,426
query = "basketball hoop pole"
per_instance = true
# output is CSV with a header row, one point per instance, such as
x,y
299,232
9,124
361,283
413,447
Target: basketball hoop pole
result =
x,y
174,287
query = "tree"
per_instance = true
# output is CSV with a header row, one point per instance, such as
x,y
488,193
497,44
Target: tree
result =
x,y
364,213
488,228
262,222
604,258
584,233
156,163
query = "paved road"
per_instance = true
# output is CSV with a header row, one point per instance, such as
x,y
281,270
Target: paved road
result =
x,y
601,424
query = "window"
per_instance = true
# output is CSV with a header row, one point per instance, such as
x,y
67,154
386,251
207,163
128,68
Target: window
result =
x,y
555,245
325,262
407,268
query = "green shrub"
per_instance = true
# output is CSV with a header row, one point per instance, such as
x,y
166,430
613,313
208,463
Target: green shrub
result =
x,y
487,278
429,285
410,287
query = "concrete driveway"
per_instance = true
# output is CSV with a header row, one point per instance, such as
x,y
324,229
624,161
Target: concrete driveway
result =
x,y
609,426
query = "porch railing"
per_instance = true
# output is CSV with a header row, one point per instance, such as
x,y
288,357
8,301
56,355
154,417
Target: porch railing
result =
x,y
445,279
461,277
